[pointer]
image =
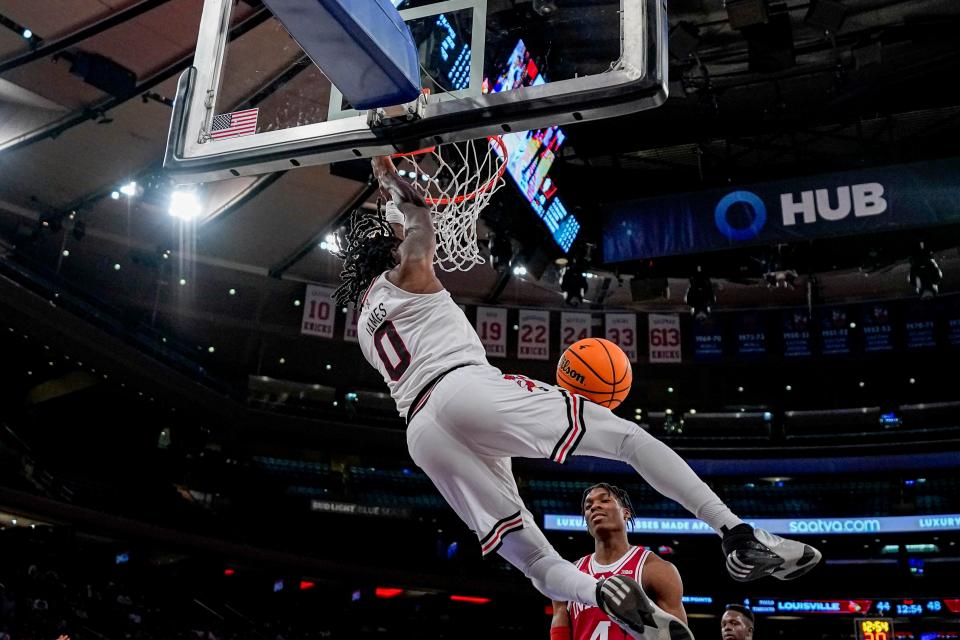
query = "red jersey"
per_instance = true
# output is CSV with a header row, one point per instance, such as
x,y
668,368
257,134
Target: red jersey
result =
x,y
589,622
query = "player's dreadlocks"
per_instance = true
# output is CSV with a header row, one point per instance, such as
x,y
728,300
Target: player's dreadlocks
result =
x,y
366,249
622,497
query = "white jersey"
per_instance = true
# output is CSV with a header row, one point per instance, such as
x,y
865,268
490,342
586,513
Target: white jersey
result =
x,y
411,338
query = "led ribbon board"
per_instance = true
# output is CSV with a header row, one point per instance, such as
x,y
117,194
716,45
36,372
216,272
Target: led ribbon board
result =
x,y
789,526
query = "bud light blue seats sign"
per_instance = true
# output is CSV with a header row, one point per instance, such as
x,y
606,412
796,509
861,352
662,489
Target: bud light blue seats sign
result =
x,y
857,202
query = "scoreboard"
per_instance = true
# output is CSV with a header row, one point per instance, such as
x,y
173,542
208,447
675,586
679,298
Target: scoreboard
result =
x,y
901,607
873,628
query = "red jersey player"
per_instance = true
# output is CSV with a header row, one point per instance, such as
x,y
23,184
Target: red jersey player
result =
x,y
607,510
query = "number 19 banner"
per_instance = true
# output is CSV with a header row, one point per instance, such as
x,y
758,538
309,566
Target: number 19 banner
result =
x,y
534,342
492,329
664,338
350,328
318,315
622,331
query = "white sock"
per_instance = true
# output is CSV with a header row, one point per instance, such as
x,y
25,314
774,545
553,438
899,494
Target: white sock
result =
x,y
554,577
667,472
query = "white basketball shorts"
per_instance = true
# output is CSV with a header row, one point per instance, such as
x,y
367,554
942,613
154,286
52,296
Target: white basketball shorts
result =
x,y
464,431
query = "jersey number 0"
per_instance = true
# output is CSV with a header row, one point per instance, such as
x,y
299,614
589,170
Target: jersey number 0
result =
x,y
396,366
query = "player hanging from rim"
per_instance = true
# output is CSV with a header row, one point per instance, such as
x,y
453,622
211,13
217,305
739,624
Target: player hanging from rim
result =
x,y
465,421
608,511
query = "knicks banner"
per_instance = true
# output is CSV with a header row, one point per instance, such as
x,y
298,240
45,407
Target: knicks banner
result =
x,y
864,201
492,329
621,330
534,341
664,338
573,327
318,313
350,328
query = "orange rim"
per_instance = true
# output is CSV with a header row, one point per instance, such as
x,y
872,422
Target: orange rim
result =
x,y
473,194
418,152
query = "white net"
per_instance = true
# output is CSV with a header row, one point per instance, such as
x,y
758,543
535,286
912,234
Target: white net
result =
x,y
457,180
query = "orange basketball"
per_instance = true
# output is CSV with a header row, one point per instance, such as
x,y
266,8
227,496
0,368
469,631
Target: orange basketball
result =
x,y
596,369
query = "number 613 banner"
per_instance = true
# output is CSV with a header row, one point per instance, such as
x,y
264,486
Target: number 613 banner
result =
x,y
664,338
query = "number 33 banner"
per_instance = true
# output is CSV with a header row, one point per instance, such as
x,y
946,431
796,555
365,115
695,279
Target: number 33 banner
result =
x,y
318,313
534,343
492,329
622,331
664,337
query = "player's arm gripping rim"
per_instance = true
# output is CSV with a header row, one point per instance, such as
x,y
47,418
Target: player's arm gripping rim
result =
x,y
415,273
560,624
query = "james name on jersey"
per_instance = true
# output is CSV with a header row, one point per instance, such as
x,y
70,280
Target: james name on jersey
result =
x,y
377,315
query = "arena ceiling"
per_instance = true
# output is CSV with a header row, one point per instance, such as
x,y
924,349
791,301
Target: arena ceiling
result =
x,y
880,89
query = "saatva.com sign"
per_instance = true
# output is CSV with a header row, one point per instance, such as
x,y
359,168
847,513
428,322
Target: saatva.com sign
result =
x,y
799,526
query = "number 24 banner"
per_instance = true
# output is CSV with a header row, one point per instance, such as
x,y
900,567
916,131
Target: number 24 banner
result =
x,y
534,342
573,327
622,331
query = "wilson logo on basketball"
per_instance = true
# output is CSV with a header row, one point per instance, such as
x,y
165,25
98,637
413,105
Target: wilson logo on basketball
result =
x,y
603,374
566,369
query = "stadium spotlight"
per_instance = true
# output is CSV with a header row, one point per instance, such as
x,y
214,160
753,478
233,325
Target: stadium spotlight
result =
x,y
544,7
184,205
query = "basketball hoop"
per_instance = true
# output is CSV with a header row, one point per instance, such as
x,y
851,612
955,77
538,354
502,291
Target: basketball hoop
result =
x,y
457,180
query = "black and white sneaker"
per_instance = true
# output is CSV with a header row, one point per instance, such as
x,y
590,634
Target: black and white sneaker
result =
x,y
624,601
754,553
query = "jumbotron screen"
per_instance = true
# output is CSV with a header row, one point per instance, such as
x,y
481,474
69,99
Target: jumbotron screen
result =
x,y
531,153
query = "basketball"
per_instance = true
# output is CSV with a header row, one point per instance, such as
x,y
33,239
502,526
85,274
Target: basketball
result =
x,y
596,369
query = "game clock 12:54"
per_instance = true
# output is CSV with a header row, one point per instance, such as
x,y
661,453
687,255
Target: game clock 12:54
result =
x,y
873,628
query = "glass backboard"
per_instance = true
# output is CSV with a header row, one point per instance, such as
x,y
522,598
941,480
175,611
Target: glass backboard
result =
x,y
255,103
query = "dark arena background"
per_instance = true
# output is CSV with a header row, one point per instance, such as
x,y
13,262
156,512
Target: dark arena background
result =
x,y
192,446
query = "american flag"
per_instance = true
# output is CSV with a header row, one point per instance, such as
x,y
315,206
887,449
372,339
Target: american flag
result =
x,y
231,125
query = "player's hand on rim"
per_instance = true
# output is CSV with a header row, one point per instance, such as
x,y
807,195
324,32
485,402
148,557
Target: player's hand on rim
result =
x,y
393,187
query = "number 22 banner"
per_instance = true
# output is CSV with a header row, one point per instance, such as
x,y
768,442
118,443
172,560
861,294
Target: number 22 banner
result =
x,y
534,342
622,331
664,337
492,329
318,316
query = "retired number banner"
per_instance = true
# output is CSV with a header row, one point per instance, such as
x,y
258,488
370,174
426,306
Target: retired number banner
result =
x,y
621,330
664,338
573,327
534,342
318,315
492,329
350,327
